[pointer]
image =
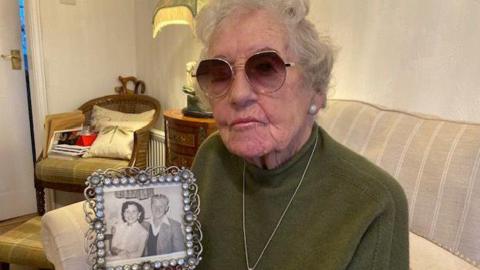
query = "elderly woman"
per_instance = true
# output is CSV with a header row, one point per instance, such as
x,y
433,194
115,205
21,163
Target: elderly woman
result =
x,y
277,192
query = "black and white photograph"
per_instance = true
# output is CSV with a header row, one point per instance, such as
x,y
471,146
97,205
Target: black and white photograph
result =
x,y
144,224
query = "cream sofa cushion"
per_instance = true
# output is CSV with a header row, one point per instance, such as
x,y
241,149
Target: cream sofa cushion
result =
x,y
425,255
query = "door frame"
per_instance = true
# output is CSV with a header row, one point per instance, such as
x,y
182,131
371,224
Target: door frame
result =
x,y
38,87
36,59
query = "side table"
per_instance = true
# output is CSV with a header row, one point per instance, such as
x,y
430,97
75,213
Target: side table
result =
x,y
183,135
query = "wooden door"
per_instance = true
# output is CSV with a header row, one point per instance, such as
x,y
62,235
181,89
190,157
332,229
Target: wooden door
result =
x,y
17,195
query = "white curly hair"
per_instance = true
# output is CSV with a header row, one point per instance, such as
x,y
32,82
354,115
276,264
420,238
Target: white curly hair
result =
x,y
315,53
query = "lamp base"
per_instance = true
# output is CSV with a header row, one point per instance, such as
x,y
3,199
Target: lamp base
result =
x,y
198,114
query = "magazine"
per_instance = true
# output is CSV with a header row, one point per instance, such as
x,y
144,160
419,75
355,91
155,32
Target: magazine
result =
x,y
63,142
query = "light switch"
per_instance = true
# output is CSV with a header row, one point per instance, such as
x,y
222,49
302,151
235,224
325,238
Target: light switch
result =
x,y
68,2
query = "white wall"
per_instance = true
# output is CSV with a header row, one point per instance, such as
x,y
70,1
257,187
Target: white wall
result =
x,y
414,55
161,61
86,47
420,56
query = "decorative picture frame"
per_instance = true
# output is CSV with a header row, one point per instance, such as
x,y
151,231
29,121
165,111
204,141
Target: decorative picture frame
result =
x,y
143,219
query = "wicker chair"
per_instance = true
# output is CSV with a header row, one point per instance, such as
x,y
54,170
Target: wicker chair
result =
x,y
70,175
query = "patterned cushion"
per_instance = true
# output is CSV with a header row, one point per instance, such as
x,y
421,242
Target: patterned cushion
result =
x,y
74,171
102,117
437,162
22,245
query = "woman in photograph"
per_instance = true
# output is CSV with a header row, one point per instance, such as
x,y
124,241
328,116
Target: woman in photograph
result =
x,y
129,237
277,191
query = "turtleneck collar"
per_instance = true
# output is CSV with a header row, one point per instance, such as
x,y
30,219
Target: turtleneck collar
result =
x,y
292,167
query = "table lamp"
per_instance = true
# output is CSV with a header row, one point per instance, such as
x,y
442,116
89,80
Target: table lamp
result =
x,y
182,12
170,12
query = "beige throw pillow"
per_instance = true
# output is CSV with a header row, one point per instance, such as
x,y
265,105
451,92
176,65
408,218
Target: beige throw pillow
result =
x,y
112,142
102,117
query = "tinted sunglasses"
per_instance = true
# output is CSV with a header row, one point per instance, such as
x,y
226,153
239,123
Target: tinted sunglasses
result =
x,y
266,72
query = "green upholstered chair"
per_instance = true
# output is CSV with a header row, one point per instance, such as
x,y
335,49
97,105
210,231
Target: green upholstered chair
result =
x,y
22,245
70,175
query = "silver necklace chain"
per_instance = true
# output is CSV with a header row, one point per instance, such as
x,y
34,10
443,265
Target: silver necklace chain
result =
x,y
281,217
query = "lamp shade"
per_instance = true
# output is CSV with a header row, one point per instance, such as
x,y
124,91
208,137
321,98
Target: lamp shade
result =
x,y
170,12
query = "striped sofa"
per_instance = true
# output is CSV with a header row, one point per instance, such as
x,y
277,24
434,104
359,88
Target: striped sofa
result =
x,y
436,161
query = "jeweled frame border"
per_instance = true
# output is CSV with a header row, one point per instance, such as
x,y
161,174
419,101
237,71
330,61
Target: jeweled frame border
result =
x,y
125,177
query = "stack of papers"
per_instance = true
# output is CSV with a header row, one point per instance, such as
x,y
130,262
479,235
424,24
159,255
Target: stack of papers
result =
x,y
69,150
63,144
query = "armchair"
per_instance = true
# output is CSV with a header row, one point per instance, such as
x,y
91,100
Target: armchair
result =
x,y
70,175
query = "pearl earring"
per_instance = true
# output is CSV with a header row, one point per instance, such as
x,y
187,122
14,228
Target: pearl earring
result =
x,y
312,109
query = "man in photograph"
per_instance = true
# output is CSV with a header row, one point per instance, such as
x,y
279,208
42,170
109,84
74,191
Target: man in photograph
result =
x,y
164,234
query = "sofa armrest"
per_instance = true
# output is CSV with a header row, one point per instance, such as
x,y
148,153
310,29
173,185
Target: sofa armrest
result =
x,y
63,236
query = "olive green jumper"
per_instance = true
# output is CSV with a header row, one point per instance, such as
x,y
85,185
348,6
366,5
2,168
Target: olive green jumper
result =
x,y
348,213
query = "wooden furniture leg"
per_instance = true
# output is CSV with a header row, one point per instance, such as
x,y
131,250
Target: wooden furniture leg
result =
x,y
40,194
